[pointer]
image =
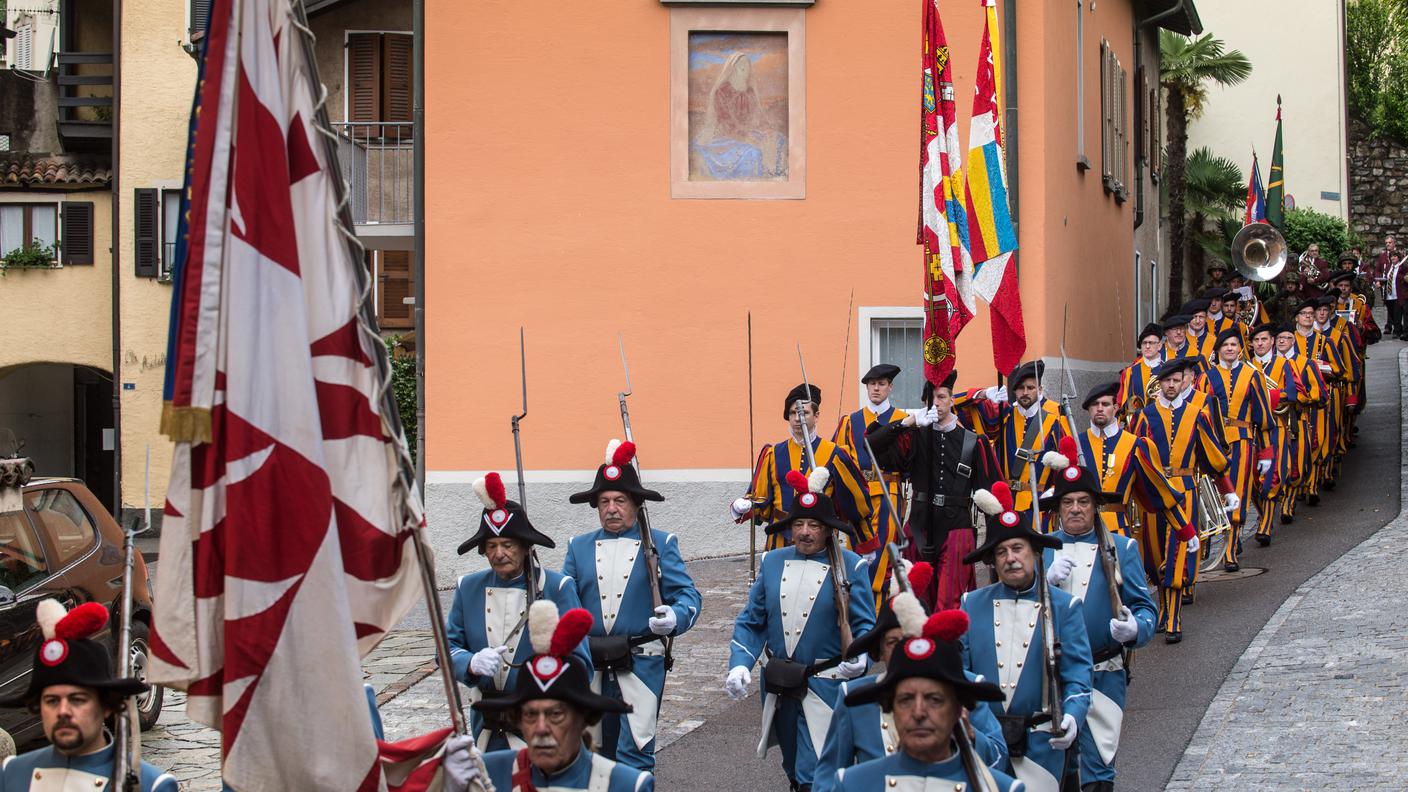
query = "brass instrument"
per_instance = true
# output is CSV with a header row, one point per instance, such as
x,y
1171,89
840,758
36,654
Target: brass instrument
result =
x,y
1212,520
1259,253
1305,265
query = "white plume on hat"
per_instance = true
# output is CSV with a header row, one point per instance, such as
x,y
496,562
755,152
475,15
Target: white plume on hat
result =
x,y
542,623
818,479
909,613
48,614
482,491
987,502
1055,460
611,450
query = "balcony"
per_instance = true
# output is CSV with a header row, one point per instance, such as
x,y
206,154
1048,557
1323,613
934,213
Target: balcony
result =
x,y
376,161
85,100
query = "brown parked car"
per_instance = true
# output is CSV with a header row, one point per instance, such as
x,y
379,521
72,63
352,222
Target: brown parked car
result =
x,y
64,545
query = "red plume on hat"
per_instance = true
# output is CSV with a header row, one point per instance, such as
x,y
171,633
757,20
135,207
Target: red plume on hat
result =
x,y
623,454
997,503
491,492
920,576
797,480
947,625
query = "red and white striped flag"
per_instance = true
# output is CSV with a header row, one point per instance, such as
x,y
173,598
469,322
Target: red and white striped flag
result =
x,y
287,546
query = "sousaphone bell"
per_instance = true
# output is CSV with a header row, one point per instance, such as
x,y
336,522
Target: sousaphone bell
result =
x,y
1259,252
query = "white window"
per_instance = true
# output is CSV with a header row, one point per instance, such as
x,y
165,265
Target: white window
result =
x,y
170,223
892,335
28,225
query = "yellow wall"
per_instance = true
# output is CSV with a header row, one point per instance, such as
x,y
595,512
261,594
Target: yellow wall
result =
x,y
548,205
64,314
158,79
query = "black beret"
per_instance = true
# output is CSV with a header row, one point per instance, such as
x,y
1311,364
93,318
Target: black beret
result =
x,y
1195,305
1175,365
1215,293
1111,389
1343,276
885,371
1231,332
797,394
1151,329
1285,327
1176,320
1309,302
1267,327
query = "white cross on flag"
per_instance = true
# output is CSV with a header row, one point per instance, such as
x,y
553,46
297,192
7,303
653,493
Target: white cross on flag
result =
x,y
287,545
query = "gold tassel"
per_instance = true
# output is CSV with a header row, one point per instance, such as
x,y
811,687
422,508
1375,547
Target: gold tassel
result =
x,y
185,424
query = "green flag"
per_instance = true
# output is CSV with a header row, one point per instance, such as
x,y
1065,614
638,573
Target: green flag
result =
x,y
1276,180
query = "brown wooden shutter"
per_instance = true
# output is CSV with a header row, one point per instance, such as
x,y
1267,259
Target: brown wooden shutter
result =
x,y
76,232
396,77
146,249
395,287
200,15
364,77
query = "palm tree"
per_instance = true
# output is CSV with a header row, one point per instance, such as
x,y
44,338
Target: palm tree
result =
x,y
1215,192
1186,66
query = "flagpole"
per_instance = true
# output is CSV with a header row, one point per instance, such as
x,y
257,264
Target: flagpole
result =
x,y
412,516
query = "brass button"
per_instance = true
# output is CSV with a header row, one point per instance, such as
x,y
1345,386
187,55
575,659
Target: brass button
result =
x,y
804,614
892,781
999,664
997,624
999,643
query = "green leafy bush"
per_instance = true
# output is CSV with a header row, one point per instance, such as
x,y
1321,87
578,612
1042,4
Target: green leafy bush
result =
x,y
1305,226
403,386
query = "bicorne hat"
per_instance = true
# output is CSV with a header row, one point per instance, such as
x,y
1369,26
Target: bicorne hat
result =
x,y
69,656
921,574
617,474
810,501
930,650
554,672
1005,523
1070,476
502,518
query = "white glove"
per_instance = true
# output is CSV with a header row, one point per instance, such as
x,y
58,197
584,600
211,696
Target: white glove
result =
x,y
663,622
926,417
741,507
1194,544
1068,725
850,669
1125,628
996,393
488,661
1059,570
460,766
1230,502
1262,466
736,683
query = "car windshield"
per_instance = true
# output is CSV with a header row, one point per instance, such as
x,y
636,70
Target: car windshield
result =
x,y
22,561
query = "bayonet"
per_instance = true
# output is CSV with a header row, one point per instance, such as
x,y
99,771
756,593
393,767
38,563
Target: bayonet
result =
x,y
530,575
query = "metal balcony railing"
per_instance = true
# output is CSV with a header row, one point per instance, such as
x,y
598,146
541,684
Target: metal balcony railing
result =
x,y
375,158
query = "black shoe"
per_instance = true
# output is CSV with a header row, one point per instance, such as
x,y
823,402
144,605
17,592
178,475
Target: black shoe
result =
x,y
1265,541
1187,598
1328,485
1287,519
1313,500
1173,637
1231,566
1098,786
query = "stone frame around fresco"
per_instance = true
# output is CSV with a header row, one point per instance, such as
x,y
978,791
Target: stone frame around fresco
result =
x,y
790,21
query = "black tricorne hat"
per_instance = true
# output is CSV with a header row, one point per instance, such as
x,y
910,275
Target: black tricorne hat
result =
x,y
69,656
920,575
1004,523
1103,389
553,672
934,653
810,501
502,518
887,371
797,394
1152,329
617,474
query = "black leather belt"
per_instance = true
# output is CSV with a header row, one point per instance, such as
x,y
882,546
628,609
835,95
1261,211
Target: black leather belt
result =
x,y
1106,655
942,499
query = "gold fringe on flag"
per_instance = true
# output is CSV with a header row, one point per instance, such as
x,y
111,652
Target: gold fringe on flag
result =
x,y
185,424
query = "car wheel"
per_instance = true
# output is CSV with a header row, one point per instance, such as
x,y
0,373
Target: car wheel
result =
x,y
149,703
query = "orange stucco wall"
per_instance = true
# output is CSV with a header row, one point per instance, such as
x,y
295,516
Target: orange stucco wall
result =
x,y
548,205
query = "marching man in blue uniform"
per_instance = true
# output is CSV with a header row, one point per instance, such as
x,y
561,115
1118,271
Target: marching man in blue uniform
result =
x,y
861,732
793,622
1077,569
73,690
1006,645
552,705
488,620
639,603
926,692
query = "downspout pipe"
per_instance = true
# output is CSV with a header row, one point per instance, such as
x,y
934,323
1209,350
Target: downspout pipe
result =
x,y
116,193
418,221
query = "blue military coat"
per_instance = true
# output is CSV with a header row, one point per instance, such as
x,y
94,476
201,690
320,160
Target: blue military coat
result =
x,y
791,614
1100,738
1004,645
589,772
47,770
901,773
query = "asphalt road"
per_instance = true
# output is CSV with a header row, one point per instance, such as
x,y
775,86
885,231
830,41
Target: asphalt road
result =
x,y
1173,685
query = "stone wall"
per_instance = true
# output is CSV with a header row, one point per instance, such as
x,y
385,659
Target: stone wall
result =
x,y
1378,186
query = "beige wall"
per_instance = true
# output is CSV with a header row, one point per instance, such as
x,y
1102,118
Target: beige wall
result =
x,y
548,205
158,79
64,315
1295,50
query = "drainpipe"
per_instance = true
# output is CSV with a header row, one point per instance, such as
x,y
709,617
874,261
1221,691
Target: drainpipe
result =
x,y
116,192
418,221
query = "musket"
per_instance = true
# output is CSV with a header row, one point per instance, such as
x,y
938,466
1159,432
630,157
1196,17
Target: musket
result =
x,y
753,513
839,582
1109,555
978,780
1050,643
890,547
647,543
127,739
530,575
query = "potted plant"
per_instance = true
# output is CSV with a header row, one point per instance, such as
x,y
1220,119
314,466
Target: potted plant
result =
x,y
31,256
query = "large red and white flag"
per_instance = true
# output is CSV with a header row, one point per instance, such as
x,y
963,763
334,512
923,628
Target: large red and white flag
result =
x,y
287,545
